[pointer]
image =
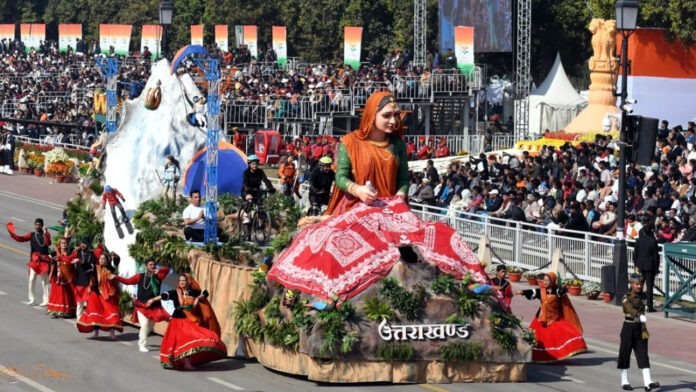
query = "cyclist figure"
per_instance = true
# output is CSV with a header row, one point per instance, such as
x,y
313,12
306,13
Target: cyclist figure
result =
x,y
251,190
320,182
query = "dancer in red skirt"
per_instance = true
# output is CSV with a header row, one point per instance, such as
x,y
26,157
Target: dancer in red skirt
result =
x,y
147,312
61,301
557,326
193,334
102,310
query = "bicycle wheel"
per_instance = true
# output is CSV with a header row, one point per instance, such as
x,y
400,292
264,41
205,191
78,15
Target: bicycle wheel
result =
x,y
242,229
261,226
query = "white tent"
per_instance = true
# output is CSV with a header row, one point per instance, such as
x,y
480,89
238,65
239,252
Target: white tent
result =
x,y
555,103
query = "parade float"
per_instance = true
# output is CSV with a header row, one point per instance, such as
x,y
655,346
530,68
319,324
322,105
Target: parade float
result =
x,y
421,310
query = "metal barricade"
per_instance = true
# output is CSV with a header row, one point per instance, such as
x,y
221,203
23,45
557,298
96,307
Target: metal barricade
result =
x,y
449,82
411,88
245,114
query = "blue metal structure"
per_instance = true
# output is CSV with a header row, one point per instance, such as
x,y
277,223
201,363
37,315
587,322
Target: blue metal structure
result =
x,y
109,70
211,69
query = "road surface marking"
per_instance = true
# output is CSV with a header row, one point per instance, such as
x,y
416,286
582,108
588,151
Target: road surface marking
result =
x,y
3,293
433,388
225,384
44,203
564,378
25,380
651,362
15,219
13,249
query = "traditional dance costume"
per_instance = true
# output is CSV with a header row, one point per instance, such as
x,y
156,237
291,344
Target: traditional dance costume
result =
x,y
39,262
84,274
556,325
148,288
102,310
61,301
191,332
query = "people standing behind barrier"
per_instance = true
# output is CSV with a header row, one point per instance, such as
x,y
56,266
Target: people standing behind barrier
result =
x,y
39,258
556,325
146,312
634,335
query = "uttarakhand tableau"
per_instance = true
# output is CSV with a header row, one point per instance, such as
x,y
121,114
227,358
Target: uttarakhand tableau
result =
x,y
377,287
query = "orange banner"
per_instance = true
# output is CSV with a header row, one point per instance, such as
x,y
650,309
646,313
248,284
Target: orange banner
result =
x,y
68,34
152,38
197,35
115,35
280,44
32,35
250,39
7,32
221,37
352,46
464,48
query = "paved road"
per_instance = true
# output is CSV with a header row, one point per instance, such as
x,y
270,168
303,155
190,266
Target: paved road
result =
x,y
38,353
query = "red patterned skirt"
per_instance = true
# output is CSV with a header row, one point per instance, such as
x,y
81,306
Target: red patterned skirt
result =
x,y
61,301
101,314
557,341
186,339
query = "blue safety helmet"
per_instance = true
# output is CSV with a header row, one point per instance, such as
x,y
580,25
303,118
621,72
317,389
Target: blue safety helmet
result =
x,y
253,158
107,188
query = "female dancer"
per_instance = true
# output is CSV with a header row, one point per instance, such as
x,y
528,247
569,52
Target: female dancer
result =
x,y
557,326
61,301
193,334
103,311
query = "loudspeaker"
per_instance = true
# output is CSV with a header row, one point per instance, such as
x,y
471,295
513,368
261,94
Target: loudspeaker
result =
x,y
642,131
607,279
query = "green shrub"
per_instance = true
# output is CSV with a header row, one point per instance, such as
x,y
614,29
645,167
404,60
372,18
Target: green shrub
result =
x,y
399,352
461,352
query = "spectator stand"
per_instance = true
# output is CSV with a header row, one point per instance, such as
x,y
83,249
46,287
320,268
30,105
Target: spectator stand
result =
x,y
530,246
680,278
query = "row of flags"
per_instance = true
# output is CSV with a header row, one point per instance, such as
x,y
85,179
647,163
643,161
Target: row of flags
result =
x,y
119,36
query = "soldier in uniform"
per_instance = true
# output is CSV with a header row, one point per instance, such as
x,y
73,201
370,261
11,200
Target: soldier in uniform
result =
x,y
634,335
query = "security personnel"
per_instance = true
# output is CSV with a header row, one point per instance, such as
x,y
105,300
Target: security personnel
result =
x,y
634,335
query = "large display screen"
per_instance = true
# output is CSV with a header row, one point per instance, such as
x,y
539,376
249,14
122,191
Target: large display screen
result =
x,y
491,19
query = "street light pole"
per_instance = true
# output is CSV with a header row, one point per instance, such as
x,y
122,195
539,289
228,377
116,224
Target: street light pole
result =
x,y
626,18
166,11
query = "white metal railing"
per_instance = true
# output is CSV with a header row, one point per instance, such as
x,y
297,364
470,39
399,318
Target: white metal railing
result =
x,y
531,246
50,141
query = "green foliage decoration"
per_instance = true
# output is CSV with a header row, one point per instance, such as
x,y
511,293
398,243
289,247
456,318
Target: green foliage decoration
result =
x,y
443,284
461,352
502,330
396,352
376,309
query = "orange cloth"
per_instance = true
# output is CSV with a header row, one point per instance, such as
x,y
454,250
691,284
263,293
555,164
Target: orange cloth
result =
x,y
554,308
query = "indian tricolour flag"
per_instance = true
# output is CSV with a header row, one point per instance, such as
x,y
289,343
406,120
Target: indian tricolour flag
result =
x,y
464,48
116,35
68,34
280,45
152,38
32,34
662,76
197,35
352,46
250,39
7,32
221,37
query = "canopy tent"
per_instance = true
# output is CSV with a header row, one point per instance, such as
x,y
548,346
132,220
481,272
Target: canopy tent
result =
x,y
231,166
555,103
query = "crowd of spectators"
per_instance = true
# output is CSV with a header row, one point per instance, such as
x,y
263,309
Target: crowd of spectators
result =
x,y
46,85
574,188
